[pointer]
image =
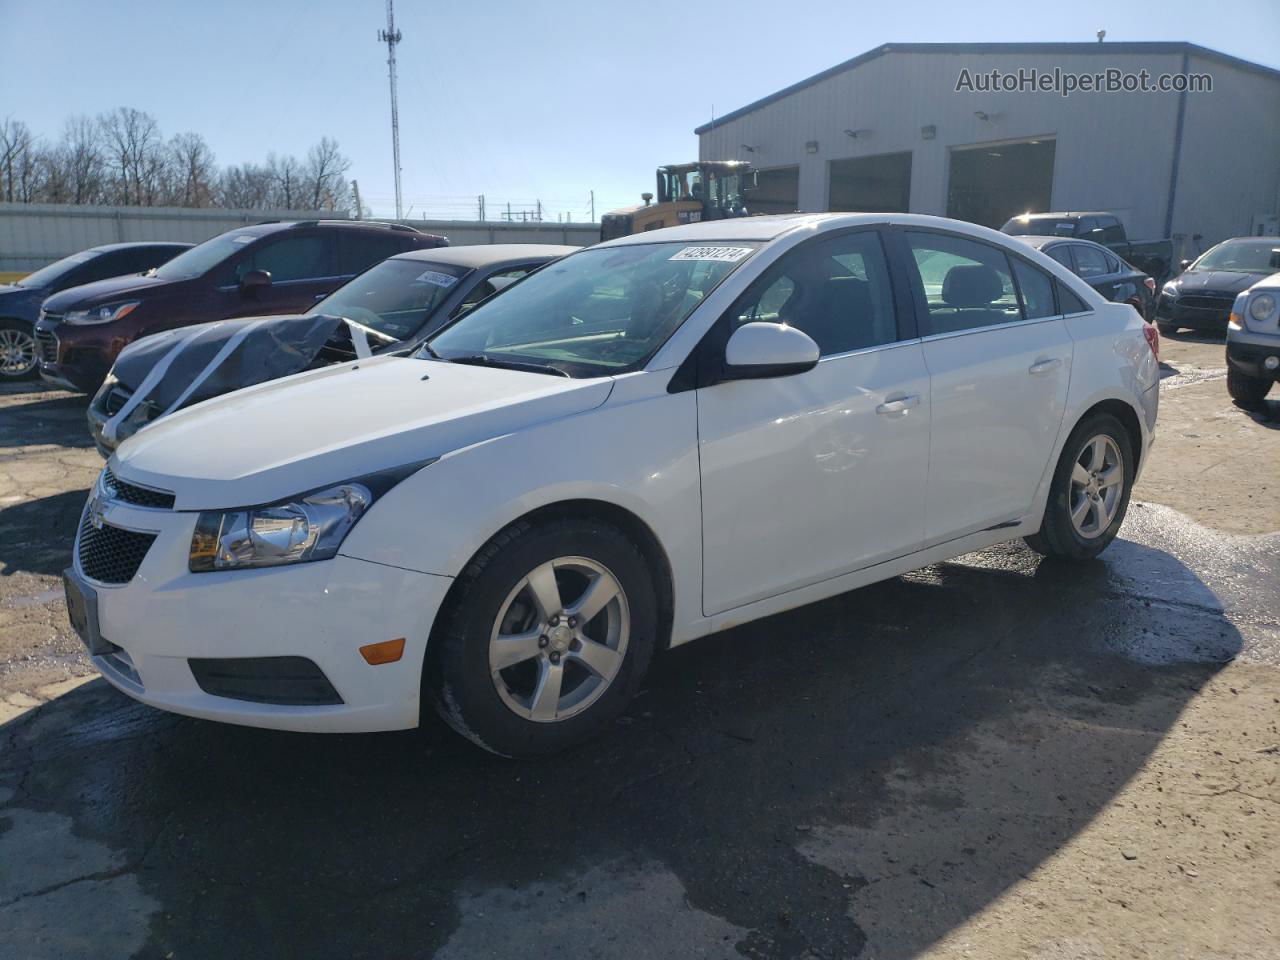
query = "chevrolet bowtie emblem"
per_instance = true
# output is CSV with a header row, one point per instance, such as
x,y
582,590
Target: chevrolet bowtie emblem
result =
x,y
95,513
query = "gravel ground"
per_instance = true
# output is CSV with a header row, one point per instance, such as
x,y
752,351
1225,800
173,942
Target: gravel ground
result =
x,y
994,757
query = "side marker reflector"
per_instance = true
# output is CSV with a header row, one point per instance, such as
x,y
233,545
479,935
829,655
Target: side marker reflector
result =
x,y
388,651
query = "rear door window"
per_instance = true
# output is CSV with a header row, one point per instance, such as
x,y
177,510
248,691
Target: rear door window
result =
x,y
357,251
1090,262
1036,289
1062,253
966,284
1068,302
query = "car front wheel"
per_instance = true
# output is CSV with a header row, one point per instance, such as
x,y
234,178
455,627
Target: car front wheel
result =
x,y
545,637
1244,389
17,350
1090,491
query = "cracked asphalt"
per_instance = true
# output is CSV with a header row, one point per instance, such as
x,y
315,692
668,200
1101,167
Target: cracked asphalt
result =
x,y
993,757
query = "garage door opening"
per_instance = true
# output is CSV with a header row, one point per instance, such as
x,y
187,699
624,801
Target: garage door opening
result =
x,y
992,182
880,184
776,191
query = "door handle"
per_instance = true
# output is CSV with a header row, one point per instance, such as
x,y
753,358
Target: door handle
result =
x,y
899,404
1044,366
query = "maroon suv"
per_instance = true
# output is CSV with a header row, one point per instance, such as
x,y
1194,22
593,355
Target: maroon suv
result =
x,y
267,268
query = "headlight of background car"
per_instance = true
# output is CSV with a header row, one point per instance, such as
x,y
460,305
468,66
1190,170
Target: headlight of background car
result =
x,y
1169,290
1262,307
308,527
103,314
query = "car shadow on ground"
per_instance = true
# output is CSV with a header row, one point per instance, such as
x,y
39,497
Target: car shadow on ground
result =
x,y
871,770
36,535
44,416
1265,412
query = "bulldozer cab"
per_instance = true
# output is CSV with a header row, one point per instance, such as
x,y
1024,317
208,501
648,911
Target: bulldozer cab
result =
x,y
687,193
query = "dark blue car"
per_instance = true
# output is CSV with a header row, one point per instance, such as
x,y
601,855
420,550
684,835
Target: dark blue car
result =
x,y
20,302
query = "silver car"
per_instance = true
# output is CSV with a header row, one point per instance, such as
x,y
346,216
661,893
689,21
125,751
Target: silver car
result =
x,y
1253,341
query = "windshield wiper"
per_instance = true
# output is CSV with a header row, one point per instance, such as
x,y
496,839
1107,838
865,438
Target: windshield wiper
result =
x,y
484,360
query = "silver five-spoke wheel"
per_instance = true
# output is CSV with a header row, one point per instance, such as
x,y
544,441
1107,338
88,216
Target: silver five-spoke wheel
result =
x,y
559,639
1097,482
17,352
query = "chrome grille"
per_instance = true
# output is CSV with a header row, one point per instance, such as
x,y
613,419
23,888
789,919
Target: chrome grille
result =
x,y
118,489
1208,301
110,554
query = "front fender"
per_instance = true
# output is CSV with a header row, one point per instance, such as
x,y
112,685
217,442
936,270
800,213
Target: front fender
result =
x,y
638,452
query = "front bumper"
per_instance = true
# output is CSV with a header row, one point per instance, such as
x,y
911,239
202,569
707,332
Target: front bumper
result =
x,y
1248,354
324,612
74,358
1210,318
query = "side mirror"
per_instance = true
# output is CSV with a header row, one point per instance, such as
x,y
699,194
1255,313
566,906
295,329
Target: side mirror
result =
x,y
253,282
1185,263
758,350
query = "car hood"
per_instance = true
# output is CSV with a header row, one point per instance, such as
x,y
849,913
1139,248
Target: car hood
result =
x,y
105,291
1228,281
13,296
289,436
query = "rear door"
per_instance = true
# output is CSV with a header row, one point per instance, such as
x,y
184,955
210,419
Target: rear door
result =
x,y
814,475
999,361
301,266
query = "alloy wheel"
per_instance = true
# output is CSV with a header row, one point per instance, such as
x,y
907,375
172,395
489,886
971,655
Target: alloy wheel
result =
x,y
1097,483
17,352
559,639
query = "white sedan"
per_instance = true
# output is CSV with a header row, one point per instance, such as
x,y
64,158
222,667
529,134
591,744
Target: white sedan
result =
x,y
648,441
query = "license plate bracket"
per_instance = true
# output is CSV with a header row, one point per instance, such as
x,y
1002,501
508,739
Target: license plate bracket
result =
x,y
82,611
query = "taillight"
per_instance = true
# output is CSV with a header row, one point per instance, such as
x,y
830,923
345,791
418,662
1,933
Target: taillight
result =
x,y
1153,339
1151,284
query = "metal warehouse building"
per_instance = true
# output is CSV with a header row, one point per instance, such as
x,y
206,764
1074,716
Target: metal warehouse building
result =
x,y
890,131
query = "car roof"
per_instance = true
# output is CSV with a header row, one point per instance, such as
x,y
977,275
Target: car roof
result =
x,y
487,254
1065,214
1258,241
768,228
148,244
1040,242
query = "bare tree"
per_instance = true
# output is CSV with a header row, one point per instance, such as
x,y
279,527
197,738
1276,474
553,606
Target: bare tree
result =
x,y
18,161
133,142
327,175
287,178
245,187
80,159
194,170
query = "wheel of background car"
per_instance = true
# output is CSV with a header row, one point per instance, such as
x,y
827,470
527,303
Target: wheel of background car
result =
x,y
1090,491
545,637
1244,389
1167,328
17,350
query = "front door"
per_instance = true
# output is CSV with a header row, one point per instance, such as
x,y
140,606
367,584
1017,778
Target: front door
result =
x,y
814,475
301,269
999,360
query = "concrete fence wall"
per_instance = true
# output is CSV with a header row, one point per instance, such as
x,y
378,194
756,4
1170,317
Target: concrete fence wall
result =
x,y
35,234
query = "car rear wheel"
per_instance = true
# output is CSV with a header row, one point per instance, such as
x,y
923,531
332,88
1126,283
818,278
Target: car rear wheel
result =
x,y
545,637
1244,389
17,350
1090,491
1167,328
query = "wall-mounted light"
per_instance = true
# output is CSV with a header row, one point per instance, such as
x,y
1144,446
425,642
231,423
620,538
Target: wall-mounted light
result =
x,y
982,115
928,132
811,146
856,134
747,147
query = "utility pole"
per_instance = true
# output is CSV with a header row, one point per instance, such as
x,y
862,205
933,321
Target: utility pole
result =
x,y
481,204
391,36
593,206
355,190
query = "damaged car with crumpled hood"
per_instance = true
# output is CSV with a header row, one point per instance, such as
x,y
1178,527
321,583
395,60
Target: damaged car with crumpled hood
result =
x,y
390,307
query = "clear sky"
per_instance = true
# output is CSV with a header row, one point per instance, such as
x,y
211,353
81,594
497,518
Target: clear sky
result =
x,y
517,100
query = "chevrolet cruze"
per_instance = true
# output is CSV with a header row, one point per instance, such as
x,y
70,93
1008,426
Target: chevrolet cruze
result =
x,y
645,442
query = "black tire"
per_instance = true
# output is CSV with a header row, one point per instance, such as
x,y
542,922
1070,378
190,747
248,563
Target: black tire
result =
x,y
26,332
457,678
1058,537
1167,328
1244,389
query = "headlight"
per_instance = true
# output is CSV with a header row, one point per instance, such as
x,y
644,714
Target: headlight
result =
x,y
1262,307
103,314
1169,290
308,527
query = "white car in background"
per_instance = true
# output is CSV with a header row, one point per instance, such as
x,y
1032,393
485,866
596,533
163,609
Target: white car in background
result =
x,y
645,442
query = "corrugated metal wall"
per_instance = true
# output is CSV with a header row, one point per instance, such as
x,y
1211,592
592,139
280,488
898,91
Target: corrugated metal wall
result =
x,y
1114,151
32,235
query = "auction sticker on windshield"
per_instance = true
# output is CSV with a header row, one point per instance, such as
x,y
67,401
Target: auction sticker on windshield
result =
x,y
719,254
439,279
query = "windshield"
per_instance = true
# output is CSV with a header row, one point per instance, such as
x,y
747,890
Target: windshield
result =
x,y
200,259
46,276
395,297
1244,257
1041,227
594,313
